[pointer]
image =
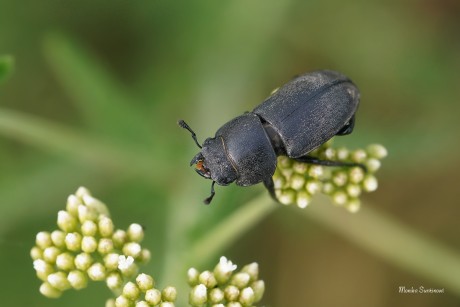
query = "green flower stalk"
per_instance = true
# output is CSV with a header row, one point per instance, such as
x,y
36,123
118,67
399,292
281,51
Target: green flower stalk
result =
x,y
88,247
225,287
296,182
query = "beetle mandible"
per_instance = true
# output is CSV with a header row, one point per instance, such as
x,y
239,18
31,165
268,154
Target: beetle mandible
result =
x,y
294,120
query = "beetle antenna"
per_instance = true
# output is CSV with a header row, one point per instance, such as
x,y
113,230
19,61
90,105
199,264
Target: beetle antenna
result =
x,y
184,125
208,200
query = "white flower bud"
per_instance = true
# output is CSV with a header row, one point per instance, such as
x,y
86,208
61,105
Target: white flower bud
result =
x,y
207,278
106,226
111,261
231,293
303,199
198,295
96,272
259,289
169,294
370,183
377,151
123,301
50,254
224,270
66,222
132,249
153,297
358,156
59,281
77,279
89,228
36,253
135,232
73,241
131,291
252,269
216,296
114,281
142,304
49,291
88,244
105,246
241,280
145,282
192,276
65,261
247,296
58,238
83,261
72,205
119,238
43,239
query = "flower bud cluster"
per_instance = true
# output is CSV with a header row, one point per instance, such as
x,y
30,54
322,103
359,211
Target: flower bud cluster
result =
x,y
296,182
88,247
225,287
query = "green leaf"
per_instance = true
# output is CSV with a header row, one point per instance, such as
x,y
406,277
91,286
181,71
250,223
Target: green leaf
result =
x,y
6,67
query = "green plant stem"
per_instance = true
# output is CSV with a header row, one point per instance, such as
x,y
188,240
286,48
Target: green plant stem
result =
x,y
58,138
227,231
393,241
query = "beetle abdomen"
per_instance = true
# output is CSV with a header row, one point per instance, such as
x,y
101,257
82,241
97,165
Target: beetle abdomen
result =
x,y
309,110
248,148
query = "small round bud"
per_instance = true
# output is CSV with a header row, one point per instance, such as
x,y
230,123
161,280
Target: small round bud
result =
x,y
297,182
328,188
241,280
135,232
72,205
59,281
110,303
132,249
50,254
96,272
58,238
259,289
251,269
329,154
86,214
279,182
36,253
315,171
166,304
96,205
231,293
65,261
123,301
353,205
43,269
111,261
145,256
370,183
216,296
169,294
286,197
105,246
198,295
131,291
356,174
142,304
284,162
300,168
77,279
342,154
119,238
49,291
88,244
340,178
145,282
153,297
377,151
373,165
66,222
247,296
303,199
106,226
358,156
353,190
234,304
114,281
207,278
313,186
193,276
83,261
224,270
82,191
339,198
73,241
89,228
43,239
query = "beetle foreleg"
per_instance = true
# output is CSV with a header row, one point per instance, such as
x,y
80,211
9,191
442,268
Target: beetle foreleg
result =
x,y
270,187
312,160
208,200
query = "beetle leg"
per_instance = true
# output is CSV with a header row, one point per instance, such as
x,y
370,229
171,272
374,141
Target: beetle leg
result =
x,y
208,199
348,128
270,187
312,160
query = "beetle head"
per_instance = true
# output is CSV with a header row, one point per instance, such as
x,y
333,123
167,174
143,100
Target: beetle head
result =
x,y
213,163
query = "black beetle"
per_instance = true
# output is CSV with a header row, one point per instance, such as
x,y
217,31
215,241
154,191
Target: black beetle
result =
x,y
297,118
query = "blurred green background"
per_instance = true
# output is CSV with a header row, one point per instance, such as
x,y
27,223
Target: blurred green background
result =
x,y
97,89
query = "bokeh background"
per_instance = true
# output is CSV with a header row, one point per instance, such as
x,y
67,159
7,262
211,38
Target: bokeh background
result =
x,y
97,89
